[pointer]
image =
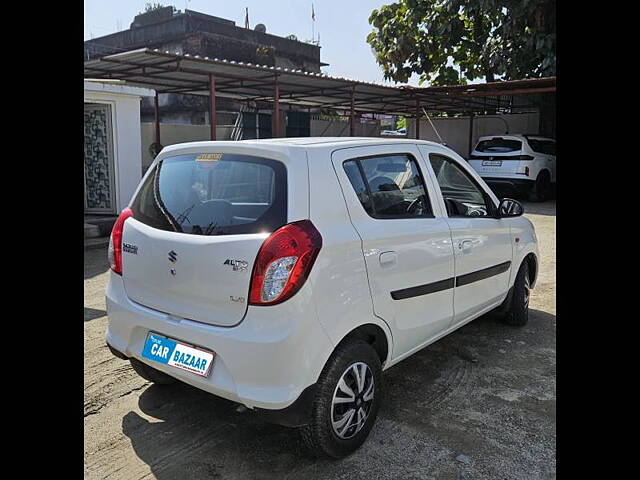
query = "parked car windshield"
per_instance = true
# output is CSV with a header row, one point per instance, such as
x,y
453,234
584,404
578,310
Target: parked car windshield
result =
x,y
499,145
213,194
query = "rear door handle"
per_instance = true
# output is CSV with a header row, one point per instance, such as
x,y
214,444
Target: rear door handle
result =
x,y
388,259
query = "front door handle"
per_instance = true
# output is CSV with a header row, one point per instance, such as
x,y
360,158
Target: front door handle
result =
x,y
465,245
388,259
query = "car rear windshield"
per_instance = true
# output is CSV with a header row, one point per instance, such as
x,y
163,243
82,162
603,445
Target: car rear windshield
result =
x,y
499,145
214,194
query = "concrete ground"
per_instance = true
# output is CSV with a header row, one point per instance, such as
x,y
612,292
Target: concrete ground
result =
x,y
478,404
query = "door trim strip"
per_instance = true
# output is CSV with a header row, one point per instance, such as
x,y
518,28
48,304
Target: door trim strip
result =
x,y
423,289
448,283
482,274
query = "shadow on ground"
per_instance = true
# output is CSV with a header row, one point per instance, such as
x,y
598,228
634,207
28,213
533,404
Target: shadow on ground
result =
x,y
95,262
541,208
487,390
93,313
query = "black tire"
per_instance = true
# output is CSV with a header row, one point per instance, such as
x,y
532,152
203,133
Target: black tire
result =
x,y
541,188
319,435
517,312
151,374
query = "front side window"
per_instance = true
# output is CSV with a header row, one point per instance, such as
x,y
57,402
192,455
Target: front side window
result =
x,y
462,197
214,194
389,186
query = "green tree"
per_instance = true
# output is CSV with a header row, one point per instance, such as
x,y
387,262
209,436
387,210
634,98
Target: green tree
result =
x,y
490,39
150,7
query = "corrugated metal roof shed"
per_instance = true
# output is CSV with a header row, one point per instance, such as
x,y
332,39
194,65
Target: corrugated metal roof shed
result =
x,y
172,73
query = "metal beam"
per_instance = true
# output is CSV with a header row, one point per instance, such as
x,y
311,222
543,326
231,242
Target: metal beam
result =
x,y
352,120
212,106
417,118
496,93
470,133
157,117
276,108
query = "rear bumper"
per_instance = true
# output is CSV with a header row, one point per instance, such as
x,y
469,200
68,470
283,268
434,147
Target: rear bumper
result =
x,y
265,363
515,183
295,415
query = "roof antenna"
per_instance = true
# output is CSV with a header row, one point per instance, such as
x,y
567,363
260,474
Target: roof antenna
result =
x,y
432,125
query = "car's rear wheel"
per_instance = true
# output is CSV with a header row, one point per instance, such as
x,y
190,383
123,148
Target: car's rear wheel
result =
x,y
346,403
151,374
517,313
541,188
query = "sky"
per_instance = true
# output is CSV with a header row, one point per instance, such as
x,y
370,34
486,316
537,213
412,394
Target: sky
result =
x,y
343,26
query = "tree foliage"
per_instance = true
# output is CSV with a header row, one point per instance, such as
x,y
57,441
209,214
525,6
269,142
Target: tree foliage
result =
x,y
490,39
150,7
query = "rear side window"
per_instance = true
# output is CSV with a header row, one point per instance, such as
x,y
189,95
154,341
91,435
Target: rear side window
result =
x,y
499,145
214,194
352,170
536,145
542,146
389,186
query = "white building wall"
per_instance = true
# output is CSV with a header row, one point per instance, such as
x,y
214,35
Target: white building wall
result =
x,y
337,128
125,117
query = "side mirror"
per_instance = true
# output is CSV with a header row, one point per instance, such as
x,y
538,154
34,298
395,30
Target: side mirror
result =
x,y
510,208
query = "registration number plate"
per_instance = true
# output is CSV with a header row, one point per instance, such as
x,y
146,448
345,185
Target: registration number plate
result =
x,y
492,163
177,354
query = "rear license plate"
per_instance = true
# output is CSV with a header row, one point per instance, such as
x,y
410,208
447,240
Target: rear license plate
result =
x,y
492,163
176,354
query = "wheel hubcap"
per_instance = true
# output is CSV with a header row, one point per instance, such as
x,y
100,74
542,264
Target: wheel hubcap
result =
x,y
527,288
352,400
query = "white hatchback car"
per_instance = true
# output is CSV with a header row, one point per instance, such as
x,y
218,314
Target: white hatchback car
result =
x,y
525,164
287,274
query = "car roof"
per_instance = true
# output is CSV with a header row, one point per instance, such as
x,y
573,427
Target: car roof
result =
x,y
284,144
335,141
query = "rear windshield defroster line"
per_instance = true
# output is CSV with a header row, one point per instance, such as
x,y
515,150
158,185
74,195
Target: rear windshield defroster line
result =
x,y
214,194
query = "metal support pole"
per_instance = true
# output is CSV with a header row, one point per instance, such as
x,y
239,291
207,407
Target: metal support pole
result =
x,y
213,121
276,108
417,118
157,118
470,133
352,120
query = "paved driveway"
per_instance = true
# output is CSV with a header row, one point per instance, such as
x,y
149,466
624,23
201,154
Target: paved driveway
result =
x,y
478,404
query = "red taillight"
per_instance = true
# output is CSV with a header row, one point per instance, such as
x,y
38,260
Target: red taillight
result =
x,y
284,262
115,242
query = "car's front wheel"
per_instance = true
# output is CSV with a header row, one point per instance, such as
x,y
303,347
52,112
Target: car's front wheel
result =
x,y
347,401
